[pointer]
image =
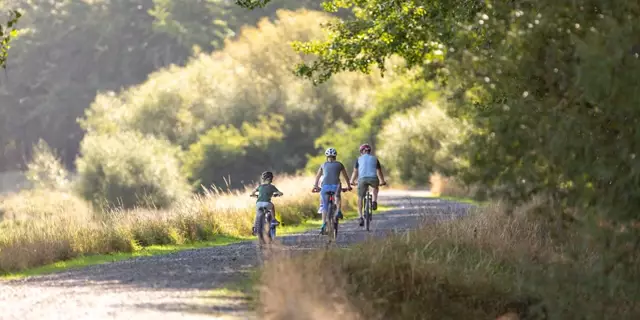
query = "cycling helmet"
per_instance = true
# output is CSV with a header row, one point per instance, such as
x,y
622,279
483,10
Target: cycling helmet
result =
x,y
267,176
365,147
331,152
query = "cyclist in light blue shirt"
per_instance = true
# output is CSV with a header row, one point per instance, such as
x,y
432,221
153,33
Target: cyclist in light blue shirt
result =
x,y
368,171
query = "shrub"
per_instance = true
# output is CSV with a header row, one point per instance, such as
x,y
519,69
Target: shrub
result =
x,y
127,169
45,170
244,152
418,143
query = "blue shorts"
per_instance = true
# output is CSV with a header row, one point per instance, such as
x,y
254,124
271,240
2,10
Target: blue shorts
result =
x,y
325,197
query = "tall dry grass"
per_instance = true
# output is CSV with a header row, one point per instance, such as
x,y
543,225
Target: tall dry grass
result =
x,y
40,227
480,267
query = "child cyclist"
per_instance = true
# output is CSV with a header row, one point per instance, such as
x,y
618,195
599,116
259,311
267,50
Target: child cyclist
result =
x,y
330,171
265,191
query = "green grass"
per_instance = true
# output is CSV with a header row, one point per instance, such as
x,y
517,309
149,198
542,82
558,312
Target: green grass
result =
x,y
461,200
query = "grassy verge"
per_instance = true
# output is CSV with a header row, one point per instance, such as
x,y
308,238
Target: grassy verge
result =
x,y
478,267
41,228
89,260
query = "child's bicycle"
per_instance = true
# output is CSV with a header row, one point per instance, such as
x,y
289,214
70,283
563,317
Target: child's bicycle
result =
x,y
268,224
332,222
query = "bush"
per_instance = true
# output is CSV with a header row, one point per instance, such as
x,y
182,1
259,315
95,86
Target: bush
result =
x,y
240,154
236,86
418,143
127,170
45,170
402,92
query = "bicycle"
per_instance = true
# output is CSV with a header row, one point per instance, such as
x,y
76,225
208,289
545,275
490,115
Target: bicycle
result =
x,y
266,216
367,206
332,221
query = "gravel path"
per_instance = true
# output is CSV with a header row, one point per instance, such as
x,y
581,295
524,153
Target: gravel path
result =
x,y
177,286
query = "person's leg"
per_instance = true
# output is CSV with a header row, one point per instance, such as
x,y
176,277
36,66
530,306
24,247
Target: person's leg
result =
x,y
325,199
339,202
272,207
375,185
362,190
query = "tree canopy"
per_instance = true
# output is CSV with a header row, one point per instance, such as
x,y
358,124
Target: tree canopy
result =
x,y
549,86
7,32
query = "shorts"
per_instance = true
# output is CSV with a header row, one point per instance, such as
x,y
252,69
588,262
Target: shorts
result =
x,y
325,197
267,205
364,183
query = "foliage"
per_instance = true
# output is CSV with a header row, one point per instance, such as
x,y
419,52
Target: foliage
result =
x,y
419,142
249,81
6,34
402,91
66,52
225,149
45,170
128,169
542,82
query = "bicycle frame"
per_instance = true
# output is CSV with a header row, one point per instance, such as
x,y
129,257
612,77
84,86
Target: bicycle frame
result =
x,y
332,222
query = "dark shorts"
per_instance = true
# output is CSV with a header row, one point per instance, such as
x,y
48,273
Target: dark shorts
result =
x,y
363,183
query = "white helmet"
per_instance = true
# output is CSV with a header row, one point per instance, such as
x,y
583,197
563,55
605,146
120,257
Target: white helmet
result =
x,y
331,152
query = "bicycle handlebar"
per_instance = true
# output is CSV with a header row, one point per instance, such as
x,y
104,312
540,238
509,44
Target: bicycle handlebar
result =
x,y
316,190
380,185
253,195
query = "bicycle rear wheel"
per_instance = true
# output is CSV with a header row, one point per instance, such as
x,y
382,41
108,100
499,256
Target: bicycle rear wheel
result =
x,y
331,231
260,232
367,215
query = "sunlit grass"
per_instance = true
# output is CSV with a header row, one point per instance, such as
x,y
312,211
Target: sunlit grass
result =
x,y
63,228
90,260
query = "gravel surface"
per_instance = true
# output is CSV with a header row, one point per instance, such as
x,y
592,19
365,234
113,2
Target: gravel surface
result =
x,y
178,285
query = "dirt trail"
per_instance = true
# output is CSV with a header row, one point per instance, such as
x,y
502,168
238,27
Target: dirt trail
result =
x,y
177,286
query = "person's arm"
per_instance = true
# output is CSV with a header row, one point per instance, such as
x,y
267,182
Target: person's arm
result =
x,y
345,175
255,190
354,175
276,191
380,174
318,175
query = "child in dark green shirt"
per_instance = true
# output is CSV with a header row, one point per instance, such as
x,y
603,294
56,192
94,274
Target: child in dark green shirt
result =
x,y
265,192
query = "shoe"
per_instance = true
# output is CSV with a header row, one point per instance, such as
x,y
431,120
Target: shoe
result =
x,y
339,215
374,205
320,210
361,221
322,229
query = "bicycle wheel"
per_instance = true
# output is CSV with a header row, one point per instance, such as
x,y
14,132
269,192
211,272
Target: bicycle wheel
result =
x,y
268,226
260,227
367,211
335,224
330,220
